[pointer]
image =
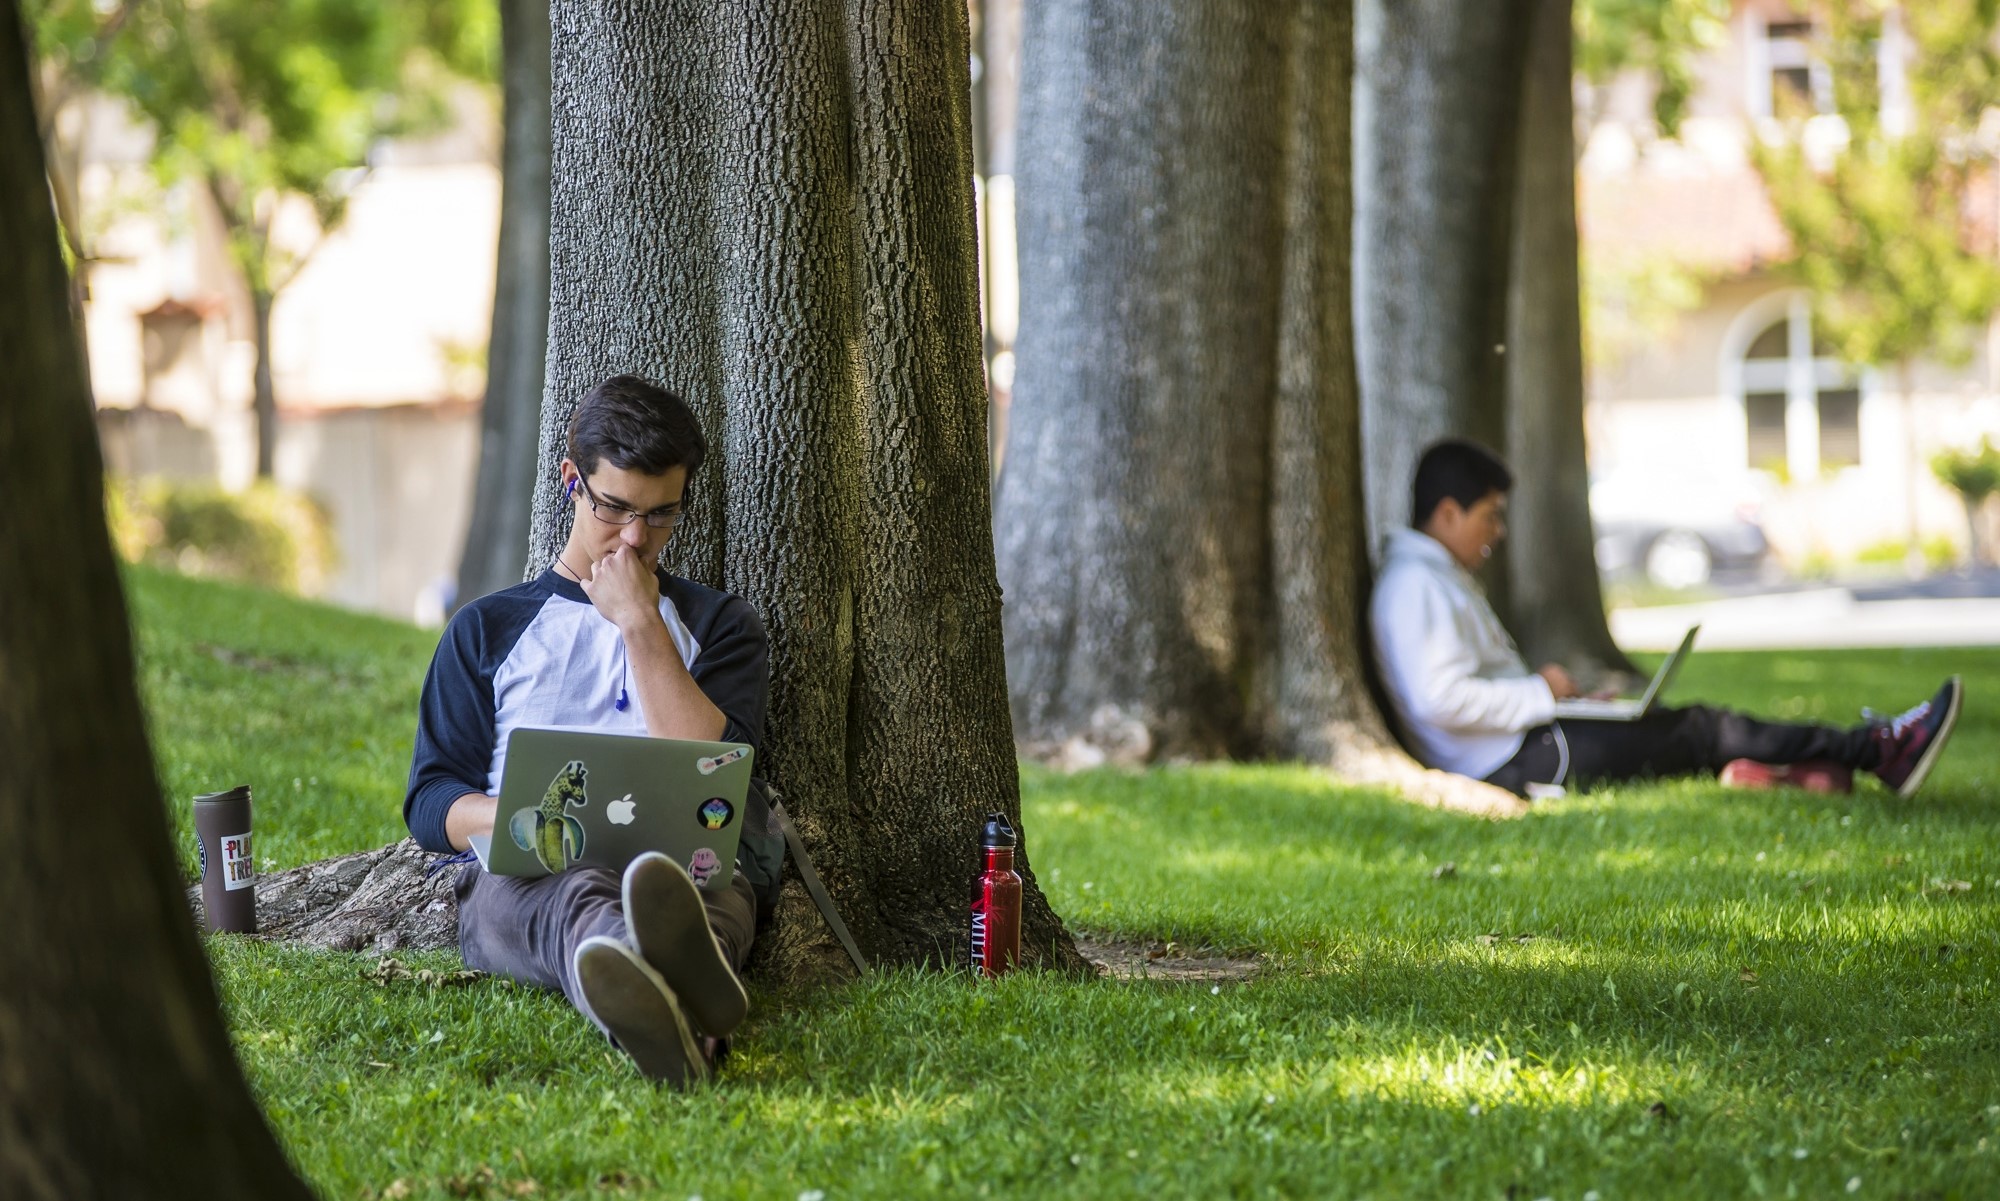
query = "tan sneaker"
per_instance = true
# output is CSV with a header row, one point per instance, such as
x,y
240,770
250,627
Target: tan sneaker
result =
x,y
641,1013
669,924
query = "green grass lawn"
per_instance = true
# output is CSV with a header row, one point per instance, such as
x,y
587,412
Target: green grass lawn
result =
x,y
1691,993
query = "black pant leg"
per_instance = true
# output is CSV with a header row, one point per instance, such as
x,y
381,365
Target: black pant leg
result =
x,y
1699,740
1665,742
1740,737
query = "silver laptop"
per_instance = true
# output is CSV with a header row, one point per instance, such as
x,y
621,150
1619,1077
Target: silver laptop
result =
x,y
570,797
1630,710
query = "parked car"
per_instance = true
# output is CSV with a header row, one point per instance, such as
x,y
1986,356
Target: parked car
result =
x,y
1676,531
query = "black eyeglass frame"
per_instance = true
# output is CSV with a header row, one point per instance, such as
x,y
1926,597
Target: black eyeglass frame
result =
x,y
657,521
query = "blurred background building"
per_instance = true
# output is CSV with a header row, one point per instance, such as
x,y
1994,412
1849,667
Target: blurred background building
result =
x,y
378,346
1713,404
1726,440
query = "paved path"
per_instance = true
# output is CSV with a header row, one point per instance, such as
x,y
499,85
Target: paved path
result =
x,y
1920,614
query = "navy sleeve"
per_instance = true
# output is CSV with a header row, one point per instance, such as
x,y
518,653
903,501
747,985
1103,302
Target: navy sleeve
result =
x,y
732,671
454,730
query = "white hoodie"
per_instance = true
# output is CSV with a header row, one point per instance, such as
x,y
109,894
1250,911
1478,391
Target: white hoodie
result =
x,y
1461,689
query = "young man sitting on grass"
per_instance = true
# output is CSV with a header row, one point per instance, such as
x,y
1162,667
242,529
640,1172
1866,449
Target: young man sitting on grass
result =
x,y
1471,706
603,639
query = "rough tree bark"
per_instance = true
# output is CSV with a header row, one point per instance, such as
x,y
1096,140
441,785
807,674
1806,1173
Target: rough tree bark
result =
x,y
1435,112
119,1078
1555,602
1178,516
768,207
496,543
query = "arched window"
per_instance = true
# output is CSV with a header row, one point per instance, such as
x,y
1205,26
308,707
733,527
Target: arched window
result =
x,y
1801,404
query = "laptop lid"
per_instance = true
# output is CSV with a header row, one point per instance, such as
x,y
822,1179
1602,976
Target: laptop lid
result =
x,y
1664,677
590,797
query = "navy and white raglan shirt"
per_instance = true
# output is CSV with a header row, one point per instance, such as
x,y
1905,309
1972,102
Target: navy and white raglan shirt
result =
x,y
540,654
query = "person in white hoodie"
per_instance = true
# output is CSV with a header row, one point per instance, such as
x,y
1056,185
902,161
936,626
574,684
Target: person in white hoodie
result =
x,y
1470,705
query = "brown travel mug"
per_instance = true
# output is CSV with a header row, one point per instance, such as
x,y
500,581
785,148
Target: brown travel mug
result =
x,y
228,871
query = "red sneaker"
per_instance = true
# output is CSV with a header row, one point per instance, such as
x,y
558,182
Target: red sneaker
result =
x,y
1748,773
1911,742
1817,776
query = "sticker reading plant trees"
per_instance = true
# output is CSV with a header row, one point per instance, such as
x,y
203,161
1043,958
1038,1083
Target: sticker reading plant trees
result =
x,y
239,870
707,766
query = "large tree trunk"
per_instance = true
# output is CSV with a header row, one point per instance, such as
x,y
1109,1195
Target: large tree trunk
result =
x,y
768,207
496,543
1436,100
1178,517
1135,500
119,1078
264,396
1556,605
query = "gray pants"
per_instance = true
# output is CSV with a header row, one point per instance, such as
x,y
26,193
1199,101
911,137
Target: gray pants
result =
x,y
528,930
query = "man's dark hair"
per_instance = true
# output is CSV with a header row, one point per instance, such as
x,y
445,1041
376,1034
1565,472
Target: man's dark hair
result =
x,y
1464,471
637,425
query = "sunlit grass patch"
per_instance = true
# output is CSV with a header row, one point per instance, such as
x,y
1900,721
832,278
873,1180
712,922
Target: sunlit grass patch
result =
x,y
1659,990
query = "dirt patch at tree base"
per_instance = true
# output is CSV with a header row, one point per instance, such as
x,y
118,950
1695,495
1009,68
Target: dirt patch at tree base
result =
x,y
1167,961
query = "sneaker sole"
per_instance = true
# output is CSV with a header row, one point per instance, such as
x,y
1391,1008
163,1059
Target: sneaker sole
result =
x,y
665,916
1929,758
635,1005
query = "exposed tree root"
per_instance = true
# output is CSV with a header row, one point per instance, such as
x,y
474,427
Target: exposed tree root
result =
x,y
1382,767
379,901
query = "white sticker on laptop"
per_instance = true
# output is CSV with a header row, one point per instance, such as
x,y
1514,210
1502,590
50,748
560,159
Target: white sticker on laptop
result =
x,y
703,865
707,766
239,870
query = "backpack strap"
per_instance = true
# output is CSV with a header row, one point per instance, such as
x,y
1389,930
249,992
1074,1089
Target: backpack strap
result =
x,y
817,890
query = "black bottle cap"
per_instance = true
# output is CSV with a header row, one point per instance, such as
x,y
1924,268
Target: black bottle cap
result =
x,y
997,832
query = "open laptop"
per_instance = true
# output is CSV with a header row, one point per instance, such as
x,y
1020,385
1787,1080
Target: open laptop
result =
x,y
570,796
1630,710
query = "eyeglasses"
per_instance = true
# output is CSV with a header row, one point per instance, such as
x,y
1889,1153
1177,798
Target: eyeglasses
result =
x,y
611,514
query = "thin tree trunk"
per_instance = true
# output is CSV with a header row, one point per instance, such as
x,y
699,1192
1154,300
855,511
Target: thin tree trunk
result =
x,y
119,1078
1436,102
768,207
496,544
1555,602
1179,514
264,401
1913,553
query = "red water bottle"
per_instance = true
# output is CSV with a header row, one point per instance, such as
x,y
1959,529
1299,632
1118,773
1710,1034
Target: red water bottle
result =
x,y
996,902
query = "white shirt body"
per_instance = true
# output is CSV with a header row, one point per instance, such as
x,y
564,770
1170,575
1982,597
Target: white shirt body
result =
x,y
1463,693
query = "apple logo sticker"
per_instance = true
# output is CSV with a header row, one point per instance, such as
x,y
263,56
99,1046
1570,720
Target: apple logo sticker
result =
x,y
619,812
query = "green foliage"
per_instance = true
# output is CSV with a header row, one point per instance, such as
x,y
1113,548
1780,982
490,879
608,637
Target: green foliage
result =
x,y
1938,553
1630,304
1663,37
265,535
1669,990
1880,231
256,102
1973,474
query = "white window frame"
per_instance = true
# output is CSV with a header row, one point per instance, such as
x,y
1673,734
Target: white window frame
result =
x,y
1800,376
1764,57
